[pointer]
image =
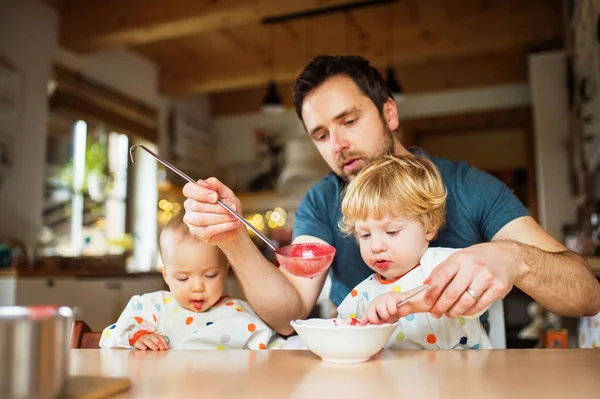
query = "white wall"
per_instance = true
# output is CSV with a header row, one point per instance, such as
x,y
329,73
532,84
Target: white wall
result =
x,y
28,31
196,107
461,101
547,73
120,69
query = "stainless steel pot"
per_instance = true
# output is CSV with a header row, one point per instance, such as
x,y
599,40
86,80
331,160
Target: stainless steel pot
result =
x,y
34,348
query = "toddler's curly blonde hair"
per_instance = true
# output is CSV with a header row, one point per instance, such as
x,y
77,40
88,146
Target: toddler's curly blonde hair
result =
x,y
406,185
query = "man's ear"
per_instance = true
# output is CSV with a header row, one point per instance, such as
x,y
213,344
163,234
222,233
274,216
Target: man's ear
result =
x,y
390,114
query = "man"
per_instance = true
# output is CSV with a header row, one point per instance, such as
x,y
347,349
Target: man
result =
x,y
350,116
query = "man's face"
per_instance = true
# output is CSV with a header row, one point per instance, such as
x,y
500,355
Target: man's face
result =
x,y
346,127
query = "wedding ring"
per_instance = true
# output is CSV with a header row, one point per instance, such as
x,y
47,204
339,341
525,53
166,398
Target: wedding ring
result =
x,y
473,294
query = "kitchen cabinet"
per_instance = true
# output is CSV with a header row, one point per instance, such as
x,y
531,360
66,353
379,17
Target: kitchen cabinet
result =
x,y
99,300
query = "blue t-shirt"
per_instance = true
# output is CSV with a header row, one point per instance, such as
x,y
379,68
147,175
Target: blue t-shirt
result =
x,y
477,206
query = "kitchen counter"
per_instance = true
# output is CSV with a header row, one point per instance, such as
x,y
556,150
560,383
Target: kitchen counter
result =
x,y
99,272
8,272
517,373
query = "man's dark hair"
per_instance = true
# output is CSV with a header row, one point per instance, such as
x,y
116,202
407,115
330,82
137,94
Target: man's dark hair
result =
x,y
322,67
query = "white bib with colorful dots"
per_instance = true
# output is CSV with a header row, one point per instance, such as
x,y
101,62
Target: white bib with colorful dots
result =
x,y
229,324
419,330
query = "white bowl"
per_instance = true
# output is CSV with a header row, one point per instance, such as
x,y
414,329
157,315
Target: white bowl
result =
x,y
335,342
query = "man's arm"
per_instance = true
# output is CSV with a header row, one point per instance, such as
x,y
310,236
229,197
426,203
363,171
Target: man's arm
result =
x,y
522,254
558,279
277,296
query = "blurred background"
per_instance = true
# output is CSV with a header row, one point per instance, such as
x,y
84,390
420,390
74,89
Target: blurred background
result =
x,y
509,86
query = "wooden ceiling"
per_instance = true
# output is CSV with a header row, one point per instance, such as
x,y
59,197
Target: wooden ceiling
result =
x,y
221,46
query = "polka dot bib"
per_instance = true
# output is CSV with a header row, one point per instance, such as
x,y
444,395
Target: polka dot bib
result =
x,y
419,330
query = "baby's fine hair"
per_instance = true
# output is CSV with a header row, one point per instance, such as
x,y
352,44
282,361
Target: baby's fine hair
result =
x,y
406,185
177,229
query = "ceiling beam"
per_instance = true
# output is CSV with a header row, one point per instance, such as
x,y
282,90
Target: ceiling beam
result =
x,y
484,34
446,75
64,103
99,25
73,82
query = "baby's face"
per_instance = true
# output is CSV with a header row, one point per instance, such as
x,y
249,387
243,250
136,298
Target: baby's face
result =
x,y
195,274
392,245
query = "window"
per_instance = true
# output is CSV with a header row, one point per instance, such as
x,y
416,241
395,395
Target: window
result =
x,y
97,203
86,190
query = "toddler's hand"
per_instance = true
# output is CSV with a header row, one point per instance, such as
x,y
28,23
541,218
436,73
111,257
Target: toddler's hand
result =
x,y
155,342
384,308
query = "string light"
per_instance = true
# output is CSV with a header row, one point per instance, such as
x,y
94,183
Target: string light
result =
x,y
164,216
162,204
167,206
273,219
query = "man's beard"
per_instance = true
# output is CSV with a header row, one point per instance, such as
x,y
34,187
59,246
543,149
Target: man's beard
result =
x,y
386,148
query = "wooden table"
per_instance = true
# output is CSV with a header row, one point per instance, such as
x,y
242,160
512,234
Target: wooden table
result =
x,y
536,373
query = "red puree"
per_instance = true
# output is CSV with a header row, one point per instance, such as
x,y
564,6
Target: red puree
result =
x,y
309,250
306,260
346,322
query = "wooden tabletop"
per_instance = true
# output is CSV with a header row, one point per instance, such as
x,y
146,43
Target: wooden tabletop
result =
x,y
519,373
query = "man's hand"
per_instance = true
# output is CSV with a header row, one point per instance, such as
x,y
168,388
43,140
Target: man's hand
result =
x,y
154,342
206,219
471,279
384,308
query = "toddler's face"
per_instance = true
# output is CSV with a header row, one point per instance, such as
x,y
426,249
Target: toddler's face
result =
x,y
195,274
392,245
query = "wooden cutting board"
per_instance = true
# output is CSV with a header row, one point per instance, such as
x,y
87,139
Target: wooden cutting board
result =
x,y
91,387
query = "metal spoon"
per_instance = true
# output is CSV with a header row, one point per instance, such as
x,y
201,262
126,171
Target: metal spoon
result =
x,y
224,205
417,292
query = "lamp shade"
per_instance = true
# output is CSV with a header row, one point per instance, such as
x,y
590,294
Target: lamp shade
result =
x,y
394,85
272,103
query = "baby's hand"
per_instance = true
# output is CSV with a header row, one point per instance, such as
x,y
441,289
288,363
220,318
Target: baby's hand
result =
x,y
384,308
155,342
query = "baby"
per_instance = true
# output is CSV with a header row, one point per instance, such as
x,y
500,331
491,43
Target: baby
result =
x,y
395,207
194,314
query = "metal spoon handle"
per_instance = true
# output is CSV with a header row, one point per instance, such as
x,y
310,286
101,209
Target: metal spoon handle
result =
x,y
224,205
408,298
